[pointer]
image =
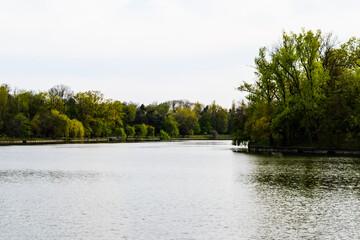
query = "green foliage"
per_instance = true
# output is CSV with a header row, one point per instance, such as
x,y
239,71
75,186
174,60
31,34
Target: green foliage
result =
x,y
60,124
55,124
171,126
140,130
129,114
164,135
187,120
231,118
205,123
120,133
163,109
4,95
55,102
197,129
219,118
21,126
76,129
304,92
130,131
61,113
150,131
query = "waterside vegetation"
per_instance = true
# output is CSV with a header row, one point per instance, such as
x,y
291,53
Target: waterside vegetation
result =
x,y
306,93
59,113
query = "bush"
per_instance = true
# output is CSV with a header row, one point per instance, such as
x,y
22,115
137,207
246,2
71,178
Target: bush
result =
x,y
130,131
140,130
164,135
150,131
120,133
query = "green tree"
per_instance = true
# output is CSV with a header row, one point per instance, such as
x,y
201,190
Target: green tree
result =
x,y
150,131
98,116
303,90
4,95
130,131
163,109
187,120
129,114
120,133
140,130
76,129
60,123
219,118
20,126
55,102
164,135
171,126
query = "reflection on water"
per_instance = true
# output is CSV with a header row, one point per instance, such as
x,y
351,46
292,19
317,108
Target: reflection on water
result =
x,y
309,173
307,197
174,190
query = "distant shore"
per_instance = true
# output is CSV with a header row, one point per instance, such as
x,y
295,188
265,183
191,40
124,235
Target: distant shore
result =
x,y
102,140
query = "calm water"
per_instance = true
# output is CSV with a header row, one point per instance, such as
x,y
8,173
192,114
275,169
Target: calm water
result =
x,y
174,190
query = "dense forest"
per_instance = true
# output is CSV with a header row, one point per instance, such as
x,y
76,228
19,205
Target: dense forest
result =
x,y
60,113
306,93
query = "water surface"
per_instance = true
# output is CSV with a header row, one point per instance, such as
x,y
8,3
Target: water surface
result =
x,y
174,190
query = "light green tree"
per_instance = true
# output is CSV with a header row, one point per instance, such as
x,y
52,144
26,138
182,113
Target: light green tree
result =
x,y
187,120
130,131
150,131
171,126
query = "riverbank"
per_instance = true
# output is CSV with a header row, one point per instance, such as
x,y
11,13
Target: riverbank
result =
x,y
304,150
53,141
102,140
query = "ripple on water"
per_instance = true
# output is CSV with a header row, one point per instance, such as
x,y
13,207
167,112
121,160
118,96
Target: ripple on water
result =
x,y
174,190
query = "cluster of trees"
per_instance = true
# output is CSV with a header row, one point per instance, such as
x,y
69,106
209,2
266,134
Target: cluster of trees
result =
x,y
307,92
60,112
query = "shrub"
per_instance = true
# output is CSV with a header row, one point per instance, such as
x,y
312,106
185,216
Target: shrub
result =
x,y
120,133
150,131
130,131
140,130
164,135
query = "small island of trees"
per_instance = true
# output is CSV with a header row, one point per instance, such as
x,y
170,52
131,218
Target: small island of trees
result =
x,y
306,93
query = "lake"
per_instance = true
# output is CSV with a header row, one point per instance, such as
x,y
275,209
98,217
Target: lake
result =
x,y
175,190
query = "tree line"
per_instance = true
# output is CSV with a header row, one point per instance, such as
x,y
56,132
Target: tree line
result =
x,y
306,92
61,113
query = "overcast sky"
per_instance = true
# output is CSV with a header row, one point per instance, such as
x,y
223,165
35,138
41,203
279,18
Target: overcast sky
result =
x,y
154,50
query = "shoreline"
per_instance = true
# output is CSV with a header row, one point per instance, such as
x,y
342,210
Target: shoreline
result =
x,y
305,151
95,140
